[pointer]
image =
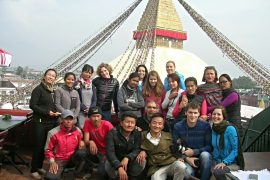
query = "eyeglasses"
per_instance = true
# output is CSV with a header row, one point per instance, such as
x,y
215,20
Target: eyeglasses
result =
x,y
223,82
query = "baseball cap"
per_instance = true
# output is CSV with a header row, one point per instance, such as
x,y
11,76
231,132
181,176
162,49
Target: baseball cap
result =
x,y
94,110
66,113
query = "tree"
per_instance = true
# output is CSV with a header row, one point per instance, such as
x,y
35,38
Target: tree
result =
x,y
243,82
19,71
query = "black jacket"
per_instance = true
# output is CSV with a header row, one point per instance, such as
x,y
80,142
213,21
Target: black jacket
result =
x,y
192,98
42,102
117,146
107,90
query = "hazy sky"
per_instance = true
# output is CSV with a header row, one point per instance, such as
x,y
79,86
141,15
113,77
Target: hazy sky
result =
x,y
38,32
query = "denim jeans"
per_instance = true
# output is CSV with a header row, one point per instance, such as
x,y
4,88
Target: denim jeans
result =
x,y
205,166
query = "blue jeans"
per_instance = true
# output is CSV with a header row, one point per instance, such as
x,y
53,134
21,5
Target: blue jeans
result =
x,y
205,166
106,115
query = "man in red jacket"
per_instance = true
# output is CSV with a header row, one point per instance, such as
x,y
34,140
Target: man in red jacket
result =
x,y
64,146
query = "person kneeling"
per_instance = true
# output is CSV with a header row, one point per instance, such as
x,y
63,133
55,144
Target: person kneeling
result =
x,y
64,146
123,146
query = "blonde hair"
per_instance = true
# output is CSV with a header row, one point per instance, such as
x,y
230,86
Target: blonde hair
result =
x,y
107,66
170,61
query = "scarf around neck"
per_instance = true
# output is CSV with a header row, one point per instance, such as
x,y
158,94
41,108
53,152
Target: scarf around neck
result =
x,y
220,129
49,87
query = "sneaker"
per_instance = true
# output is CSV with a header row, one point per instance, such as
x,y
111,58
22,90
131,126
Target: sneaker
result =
x,y
87,176
35,175
41,171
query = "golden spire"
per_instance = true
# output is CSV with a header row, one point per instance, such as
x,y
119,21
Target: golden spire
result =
x,y
160,18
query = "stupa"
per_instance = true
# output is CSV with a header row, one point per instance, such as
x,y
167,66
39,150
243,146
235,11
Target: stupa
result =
x,y
167,44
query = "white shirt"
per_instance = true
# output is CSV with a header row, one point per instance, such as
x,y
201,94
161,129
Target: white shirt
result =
x,y
152,139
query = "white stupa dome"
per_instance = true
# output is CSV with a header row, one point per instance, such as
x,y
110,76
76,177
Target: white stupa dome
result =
x,y
186,62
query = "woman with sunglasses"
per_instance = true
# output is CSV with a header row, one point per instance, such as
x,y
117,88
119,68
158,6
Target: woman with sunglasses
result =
x,y
231,101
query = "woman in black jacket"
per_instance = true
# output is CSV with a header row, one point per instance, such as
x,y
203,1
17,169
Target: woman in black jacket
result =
x,y
44,119
107,89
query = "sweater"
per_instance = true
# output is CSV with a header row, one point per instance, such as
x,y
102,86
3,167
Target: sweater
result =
x,y
67,98
198,138
229,153
130,100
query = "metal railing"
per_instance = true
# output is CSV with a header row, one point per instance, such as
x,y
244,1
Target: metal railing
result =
x,y
261,143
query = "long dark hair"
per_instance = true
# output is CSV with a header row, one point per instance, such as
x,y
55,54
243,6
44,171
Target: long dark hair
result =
x,y
146,71
227,77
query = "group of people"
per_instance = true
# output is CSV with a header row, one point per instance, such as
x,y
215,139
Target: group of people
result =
x,y
177,128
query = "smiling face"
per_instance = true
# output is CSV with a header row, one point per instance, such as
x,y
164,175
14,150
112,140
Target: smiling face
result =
x,y
141,72
191,87
217,116
128,124
86,75
153,81
192,116
69,81
156,125
104,72
224,83
170,68
133,82
50,77
173,84
210,76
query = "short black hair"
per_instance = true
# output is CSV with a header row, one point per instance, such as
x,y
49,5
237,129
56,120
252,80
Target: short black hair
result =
x,y
128,114
87,68
157,115
191,79
133,75
69,74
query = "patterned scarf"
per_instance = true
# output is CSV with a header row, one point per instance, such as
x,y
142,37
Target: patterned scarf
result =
x,y
48,86
86,84
212,92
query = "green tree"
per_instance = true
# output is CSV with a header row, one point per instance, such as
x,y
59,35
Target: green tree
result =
x,y
243,82
19,70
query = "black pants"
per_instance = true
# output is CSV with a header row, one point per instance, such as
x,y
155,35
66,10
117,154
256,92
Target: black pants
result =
x,y
76,160
40,131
